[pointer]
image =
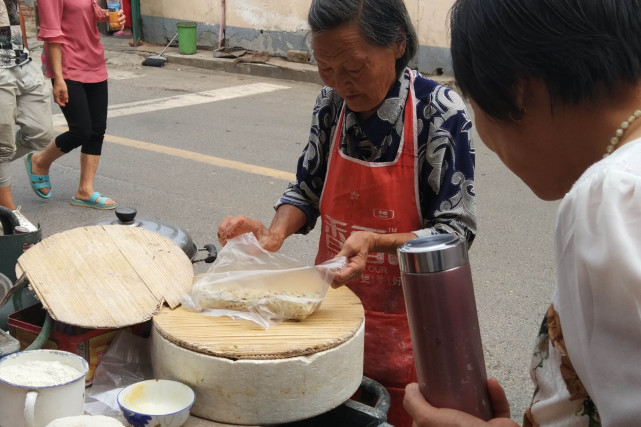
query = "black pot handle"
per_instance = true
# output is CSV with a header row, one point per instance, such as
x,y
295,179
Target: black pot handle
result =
x,y
376,391
212,254
8,219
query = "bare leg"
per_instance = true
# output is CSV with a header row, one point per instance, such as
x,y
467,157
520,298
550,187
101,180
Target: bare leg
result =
x,y
6,199
88,169
41,161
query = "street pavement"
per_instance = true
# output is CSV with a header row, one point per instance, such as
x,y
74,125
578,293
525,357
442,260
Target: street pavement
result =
x,y
182,160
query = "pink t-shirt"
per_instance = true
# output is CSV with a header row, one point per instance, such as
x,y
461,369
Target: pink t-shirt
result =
x,y
72,24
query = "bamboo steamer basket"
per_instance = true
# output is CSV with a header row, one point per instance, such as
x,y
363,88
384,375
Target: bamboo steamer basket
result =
x,y
245,375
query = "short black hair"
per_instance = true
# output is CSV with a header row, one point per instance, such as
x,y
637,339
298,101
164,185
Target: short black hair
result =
x,y
381,22
577,47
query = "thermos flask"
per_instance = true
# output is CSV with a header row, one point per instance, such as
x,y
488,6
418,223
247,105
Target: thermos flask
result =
x,y
443,322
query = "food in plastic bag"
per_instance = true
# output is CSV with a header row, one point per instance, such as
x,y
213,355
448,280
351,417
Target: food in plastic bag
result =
x,y
242,294
245,278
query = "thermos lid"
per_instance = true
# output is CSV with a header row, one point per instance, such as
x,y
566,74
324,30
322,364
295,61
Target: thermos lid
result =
x,y
429,254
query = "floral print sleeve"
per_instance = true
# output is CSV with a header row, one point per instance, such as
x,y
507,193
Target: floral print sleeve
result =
x,y
558,382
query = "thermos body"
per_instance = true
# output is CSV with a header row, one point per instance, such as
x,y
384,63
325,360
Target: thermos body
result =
x,y
443,322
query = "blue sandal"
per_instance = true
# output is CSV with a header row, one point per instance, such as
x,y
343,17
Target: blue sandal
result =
x,y
37,182
96,201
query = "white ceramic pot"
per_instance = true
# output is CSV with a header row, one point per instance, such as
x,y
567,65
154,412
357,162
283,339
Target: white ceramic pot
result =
x,y
25,403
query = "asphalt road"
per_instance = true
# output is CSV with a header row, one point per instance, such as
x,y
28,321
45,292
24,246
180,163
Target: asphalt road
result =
x,y
192,164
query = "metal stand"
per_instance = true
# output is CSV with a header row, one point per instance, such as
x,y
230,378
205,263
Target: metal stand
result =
x,y
370,411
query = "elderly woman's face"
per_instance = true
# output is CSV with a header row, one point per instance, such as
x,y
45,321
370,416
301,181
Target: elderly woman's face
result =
x,y
362,74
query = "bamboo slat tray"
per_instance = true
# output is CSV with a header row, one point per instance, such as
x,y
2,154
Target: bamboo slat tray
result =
x,y
336,320
106,276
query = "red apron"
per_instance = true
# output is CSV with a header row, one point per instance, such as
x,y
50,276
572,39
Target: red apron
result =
x,y
383,198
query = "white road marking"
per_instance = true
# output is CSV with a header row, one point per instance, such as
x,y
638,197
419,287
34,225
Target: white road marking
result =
x,y
178,101
198,157
203,158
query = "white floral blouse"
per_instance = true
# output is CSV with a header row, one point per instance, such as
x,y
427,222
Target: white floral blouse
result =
x,y
587,362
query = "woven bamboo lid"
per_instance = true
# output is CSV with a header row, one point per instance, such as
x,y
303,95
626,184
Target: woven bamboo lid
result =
x,y
336,320
106,276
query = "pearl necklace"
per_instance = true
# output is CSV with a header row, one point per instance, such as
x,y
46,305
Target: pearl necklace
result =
x,y
619,133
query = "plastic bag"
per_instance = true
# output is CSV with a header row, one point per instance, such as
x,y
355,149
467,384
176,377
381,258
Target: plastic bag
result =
x,y
249,282
126,361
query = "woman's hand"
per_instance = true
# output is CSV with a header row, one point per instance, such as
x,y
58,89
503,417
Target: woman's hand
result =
x,y
425,415
233,226
60,93
121,18
356,248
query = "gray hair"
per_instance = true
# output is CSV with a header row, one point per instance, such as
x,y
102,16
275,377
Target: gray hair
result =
x,y
382,23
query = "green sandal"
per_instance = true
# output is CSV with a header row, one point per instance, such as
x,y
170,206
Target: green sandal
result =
x,y
37,182
96,201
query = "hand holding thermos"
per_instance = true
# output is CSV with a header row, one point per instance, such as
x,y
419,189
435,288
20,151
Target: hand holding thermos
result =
x,y
441,310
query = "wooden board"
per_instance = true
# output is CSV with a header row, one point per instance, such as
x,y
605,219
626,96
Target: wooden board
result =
x,y
334,322
106,276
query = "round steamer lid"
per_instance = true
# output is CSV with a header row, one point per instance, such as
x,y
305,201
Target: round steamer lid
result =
x,y
336,320
106,276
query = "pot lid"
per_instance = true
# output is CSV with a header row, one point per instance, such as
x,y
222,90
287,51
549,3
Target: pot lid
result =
x,y
127,216
106,276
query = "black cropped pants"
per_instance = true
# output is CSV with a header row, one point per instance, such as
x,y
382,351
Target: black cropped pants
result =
x,y
86,114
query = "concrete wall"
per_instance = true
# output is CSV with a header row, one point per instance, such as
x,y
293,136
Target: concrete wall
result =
x,y
277,26
29,13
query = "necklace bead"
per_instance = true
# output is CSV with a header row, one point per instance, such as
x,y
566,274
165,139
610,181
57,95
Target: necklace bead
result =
x,y
619,132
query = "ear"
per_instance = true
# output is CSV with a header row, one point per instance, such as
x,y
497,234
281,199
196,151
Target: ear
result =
x,y
531,93
399,49
520,89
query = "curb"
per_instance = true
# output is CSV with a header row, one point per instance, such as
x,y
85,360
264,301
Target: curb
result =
x,y
275,67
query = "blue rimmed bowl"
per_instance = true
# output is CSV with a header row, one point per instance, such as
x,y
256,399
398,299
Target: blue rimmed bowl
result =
x,y
154,403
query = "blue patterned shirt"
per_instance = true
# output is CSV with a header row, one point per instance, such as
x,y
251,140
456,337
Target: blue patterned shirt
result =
x,y
445,149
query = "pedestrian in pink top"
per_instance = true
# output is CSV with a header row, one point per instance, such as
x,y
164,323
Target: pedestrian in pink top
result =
x,y
75,61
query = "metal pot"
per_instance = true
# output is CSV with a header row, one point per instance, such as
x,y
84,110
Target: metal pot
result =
x,y
127,216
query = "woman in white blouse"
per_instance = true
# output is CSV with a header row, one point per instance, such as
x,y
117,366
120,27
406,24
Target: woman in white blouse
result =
x,y
556,92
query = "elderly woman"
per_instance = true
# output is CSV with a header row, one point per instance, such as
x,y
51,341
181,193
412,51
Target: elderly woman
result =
x,y
389,158
556,91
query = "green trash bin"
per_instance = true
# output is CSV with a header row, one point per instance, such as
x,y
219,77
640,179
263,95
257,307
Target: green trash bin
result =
x,y
186,38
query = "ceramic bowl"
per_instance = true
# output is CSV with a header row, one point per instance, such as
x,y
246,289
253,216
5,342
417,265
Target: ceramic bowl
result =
x,y
155,403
